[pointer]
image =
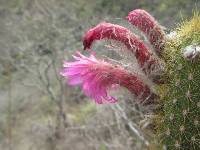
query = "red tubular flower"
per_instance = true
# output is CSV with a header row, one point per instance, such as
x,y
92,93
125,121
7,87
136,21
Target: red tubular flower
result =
x,y
146,23
98,76
121,34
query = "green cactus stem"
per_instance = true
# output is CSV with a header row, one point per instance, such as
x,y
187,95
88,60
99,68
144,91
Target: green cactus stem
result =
x,y
179,122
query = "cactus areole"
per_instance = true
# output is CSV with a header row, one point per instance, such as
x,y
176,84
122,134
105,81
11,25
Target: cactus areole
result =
x,y
178,121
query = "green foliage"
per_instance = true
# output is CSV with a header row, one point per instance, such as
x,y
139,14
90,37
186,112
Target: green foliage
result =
x,y
5,5
102,147
179,125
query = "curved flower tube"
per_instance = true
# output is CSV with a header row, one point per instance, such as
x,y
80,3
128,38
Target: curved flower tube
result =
x,y
146,23
115,32
97,77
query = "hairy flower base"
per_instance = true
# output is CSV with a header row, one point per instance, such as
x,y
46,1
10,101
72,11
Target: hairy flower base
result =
x,y
146,23
121,34
98,76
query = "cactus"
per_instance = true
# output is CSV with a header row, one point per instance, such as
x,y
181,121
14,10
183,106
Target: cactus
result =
x,y
177,121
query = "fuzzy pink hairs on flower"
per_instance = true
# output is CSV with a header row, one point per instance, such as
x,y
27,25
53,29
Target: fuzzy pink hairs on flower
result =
x,y
115,32
146,23
97,77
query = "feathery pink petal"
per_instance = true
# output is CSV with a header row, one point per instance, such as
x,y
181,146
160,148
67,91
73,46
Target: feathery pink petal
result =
x,y
121,34
146,23
97,77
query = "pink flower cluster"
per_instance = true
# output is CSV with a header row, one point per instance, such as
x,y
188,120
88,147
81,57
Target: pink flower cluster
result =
x,y
97,77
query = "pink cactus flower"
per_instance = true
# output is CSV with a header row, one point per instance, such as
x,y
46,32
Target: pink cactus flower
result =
x,y
97,77
146,23
132,42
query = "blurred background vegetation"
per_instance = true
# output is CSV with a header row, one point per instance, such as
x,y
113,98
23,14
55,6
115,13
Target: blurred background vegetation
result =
x,y
38,110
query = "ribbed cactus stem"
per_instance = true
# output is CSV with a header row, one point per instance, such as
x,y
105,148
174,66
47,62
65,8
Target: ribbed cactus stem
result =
x,y
179,127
